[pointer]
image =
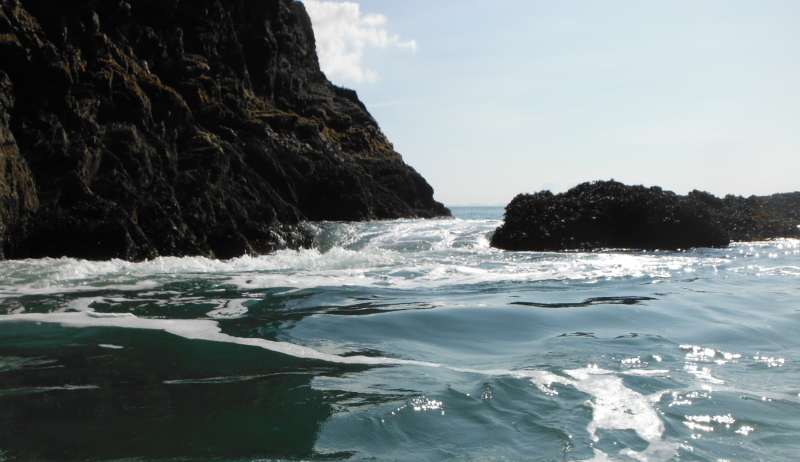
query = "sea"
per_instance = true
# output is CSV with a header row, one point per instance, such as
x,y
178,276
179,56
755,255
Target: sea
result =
x,y
406,340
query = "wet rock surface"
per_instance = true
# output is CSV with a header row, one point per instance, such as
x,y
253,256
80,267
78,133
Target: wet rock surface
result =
x,y
609,214
133,129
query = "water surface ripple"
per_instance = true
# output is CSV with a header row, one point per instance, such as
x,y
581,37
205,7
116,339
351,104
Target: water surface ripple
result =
x,y
405,340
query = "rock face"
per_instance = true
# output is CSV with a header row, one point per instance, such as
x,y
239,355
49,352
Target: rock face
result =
x,y
133,129
609,214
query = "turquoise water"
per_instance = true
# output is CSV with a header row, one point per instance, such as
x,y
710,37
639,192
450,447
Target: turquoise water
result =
x,y
405,340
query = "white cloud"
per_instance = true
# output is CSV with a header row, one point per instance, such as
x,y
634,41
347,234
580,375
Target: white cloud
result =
x,y
343,33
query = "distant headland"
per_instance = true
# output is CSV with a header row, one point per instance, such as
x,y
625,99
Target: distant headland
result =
x,y
141,128
609,214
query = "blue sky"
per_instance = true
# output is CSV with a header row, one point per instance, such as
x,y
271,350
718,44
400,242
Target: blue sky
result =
x,y
490,99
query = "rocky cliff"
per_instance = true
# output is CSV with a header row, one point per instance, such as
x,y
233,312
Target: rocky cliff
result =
x,y
609,214
133,129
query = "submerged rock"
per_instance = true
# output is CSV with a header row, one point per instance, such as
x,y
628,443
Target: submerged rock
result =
x,y
609,214
133,129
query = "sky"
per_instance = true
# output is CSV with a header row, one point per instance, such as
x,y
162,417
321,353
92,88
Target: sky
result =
x,y
491,99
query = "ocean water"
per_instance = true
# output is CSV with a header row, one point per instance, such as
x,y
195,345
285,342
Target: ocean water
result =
x,y
407,340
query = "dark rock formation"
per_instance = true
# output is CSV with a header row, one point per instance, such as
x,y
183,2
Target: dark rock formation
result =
x,y
132,129
609,214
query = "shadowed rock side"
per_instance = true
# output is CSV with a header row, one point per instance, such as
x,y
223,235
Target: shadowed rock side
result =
x,y
132,129
609,214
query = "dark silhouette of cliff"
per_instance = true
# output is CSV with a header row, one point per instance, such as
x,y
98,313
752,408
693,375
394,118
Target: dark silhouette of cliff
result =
x,y
133,129
609,214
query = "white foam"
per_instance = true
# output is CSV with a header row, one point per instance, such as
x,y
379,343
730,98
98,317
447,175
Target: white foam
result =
x,y
231,309
646,372
96,315
406,254
197,329
599,456
614,407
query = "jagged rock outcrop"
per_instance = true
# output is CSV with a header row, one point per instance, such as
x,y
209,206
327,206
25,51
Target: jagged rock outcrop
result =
x,y
132,129
609,214
18,198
